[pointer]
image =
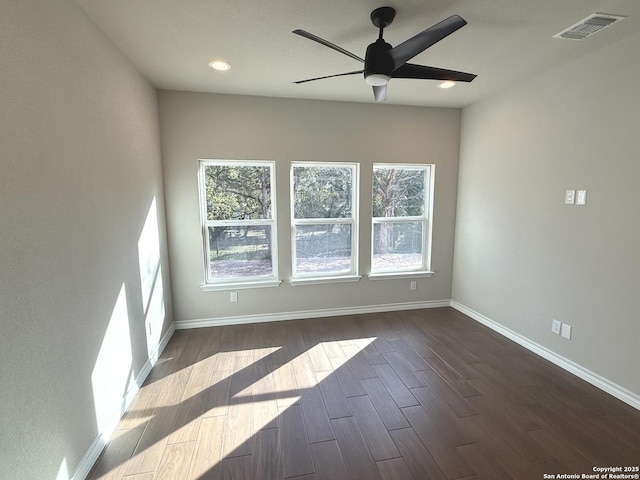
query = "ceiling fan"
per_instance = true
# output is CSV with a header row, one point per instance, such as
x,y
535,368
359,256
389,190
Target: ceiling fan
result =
x,y
383,62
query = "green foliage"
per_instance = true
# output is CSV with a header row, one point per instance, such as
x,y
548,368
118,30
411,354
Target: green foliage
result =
x,y
322,192
324,240
234,242
408,238
397,238
237,192
398,192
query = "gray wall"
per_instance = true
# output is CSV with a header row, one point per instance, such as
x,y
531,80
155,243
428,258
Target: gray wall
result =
x,y
79,171
84,283
197,125
522,257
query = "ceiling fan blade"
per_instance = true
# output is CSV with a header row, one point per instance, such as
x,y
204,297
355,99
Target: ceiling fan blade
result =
x,y
330,76
326,43
410,70
408,49
380,92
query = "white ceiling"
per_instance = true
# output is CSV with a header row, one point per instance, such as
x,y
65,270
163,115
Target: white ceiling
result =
x,y
506,41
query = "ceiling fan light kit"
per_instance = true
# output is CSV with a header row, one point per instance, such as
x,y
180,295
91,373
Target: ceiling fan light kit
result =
x,y
383,62
377,79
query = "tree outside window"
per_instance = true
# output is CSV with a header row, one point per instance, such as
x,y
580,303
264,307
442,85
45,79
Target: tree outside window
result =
x,y
238,220
401,223
324,210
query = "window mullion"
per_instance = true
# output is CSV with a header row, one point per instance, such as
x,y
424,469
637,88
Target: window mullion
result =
x,y
398,219
322,221
233,223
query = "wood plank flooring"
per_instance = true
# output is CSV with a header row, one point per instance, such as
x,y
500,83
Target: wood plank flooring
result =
x,y
422,394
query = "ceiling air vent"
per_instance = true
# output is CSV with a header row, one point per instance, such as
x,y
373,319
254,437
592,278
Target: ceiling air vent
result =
x,y
590,25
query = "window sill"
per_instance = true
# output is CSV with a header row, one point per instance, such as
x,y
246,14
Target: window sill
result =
x,y
400,275
214,287
319,280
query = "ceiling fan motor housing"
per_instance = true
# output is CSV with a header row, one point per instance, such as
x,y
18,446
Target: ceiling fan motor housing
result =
x,y
378,64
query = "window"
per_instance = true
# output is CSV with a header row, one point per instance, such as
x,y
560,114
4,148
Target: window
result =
x,y
324,220
401,234
238,222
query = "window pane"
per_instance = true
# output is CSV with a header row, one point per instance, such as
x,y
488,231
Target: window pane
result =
x,y
322,192
398,192
240,251
397,246
323,248
238,192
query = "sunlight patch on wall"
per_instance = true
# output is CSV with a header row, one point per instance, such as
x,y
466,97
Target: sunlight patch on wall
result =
x,y
149,254
151,287
112,374
154,318
63,471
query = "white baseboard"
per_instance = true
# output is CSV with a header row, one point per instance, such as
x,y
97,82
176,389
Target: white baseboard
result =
x,y
329,312
95,450
602,383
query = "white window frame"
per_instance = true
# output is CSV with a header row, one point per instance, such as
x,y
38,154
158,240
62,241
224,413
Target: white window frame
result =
x,y
212,283
424,270
353,221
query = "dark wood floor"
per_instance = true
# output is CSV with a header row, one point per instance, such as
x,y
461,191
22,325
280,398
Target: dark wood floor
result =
x,y
423,394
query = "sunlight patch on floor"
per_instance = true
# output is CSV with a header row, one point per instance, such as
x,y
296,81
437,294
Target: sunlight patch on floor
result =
x,y
268,396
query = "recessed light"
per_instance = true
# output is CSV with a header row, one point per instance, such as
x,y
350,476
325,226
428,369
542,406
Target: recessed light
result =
x,y
446,84
219,65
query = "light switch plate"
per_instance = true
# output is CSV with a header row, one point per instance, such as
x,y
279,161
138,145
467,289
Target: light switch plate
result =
x,y
566,331
581,197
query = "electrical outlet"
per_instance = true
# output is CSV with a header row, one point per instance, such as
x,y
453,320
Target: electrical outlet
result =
x,y
413,285
233,297
566,331
569,197
555,326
